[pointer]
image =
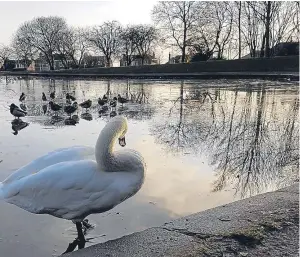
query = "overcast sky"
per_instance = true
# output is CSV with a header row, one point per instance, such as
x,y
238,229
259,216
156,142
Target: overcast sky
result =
x,y
77,13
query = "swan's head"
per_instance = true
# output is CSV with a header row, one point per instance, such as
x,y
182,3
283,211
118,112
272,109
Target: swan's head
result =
x,y
119,123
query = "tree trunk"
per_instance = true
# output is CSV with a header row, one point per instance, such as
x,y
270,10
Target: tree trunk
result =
x,y
262,49
107,61
240,47
183,54
267,35
184,35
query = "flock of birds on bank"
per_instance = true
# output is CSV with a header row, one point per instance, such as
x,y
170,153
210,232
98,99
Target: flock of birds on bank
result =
x,y
72,106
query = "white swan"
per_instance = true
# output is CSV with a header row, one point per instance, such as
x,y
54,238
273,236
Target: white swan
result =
x,y
65,185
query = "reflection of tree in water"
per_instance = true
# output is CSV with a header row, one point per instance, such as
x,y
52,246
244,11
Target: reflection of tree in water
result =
x,y
249,139
178,129
254,149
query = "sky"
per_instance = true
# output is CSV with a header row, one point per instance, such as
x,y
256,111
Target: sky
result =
x,y
76,13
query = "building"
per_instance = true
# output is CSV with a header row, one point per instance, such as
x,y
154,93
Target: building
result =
x,y
89,61
177,59
286,48
40,64
280,49
137,60
12,65
248,56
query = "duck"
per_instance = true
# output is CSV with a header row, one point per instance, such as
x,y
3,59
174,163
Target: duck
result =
x,y
86,104
105,98
44,98
67,184
23,107
101,102
103,110
70,97
122,100
113,103
69,109
54,107
22,97
52,95
16,111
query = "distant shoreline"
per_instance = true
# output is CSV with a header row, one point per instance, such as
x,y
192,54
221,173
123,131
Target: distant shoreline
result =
x,y
285,67
293,76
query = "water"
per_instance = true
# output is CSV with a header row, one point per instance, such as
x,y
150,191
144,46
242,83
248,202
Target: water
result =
x,y
206,143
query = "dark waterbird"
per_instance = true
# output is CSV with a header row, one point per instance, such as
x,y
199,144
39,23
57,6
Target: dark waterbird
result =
x,y
70,97
104,98
113,103
101,102
22,97
86,104
23,107
122,100
52,95
69,109
54,107
44,98
103,110
16,111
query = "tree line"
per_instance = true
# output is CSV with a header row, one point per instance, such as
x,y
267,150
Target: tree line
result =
x,y
200,29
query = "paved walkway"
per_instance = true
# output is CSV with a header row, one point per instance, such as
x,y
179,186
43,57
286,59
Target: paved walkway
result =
x,y
264,225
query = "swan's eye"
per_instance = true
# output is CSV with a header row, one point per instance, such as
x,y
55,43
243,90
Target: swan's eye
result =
x,y
122,141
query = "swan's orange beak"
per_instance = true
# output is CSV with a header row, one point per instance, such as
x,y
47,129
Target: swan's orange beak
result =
x,y
122,141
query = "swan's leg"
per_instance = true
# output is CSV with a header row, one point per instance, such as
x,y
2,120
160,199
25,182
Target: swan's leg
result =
x,y
81,239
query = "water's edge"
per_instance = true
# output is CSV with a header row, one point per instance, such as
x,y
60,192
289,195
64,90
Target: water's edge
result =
x,y
257,226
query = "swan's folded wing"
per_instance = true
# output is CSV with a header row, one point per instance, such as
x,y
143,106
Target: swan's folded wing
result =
x,y
75,153
67,190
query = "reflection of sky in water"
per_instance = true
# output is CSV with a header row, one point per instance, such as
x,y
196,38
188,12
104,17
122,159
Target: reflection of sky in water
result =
x,y
206,143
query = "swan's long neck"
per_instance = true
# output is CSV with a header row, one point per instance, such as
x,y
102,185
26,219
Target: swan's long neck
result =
x,y
105,145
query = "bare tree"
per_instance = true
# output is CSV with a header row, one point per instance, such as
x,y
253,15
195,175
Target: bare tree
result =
x,y
71,46
179,19
283,27
216,33
106,39
5,54
251,28
266,11
144,37
239,9
42,34
128,46
23,50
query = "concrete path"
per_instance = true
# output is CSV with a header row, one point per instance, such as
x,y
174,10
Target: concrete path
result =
x,y
264,225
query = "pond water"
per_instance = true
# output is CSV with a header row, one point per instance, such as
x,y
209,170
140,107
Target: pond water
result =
x,y
206,143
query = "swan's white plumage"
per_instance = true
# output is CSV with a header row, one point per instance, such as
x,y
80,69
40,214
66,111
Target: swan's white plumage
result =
x,y
67,186
59,155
